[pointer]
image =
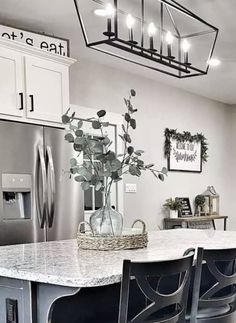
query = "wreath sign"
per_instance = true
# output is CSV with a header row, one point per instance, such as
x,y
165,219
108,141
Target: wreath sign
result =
x,y
172,134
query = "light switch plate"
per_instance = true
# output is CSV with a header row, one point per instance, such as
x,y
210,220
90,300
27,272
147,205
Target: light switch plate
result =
x,y
130,188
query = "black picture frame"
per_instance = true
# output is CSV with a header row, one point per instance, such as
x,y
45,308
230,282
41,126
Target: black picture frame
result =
x,y
187,209
185,152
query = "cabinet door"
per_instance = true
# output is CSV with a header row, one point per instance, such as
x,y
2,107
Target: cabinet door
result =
x,y
11,83
47,88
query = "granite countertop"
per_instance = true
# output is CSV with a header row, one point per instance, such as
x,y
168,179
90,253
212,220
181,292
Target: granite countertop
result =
x,y
62,263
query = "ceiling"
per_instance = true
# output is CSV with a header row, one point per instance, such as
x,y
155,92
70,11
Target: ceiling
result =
x,y
58,17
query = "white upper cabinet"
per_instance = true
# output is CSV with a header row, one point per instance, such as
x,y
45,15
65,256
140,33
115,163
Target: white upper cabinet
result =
x,y
34,85
47,89
11,83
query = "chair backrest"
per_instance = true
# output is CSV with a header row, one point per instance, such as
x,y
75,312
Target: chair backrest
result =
x,y
173,304
220,273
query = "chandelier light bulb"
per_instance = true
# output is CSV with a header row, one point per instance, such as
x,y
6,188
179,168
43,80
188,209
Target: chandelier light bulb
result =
x,y
109,10
169,38
185,46
130,21
151,30
100,12
214,62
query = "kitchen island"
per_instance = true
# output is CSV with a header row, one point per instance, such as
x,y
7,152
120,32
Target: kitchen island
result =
x,y
35,277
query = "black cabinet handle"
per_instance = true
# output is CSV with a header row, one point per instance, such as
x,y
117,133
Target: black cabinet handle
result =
x,y
32,103
21,94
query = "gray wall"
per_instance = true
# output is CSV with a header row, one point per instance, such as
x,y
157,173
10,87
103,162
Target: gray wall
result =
x,y
97,86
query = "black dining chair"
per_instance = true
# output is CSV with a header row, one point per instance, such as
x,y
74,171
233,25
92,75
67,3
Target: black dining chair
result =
x,y
214,287
152,278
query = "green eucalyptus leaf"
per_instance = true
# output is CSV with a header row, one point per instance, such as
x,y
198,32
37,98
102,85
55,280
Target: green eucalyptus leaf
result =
x,y
80,140
79,179
110,156
130,150
106,141
73,170
149,165
114,175
98,186
115,164
94,179
134,170
83,172
105,124
79,133
78,147
65,119
127,117
85,186
72,127
69,137
73,162
133,123
140,163
132,92
127,138
161,177
121,137
127,160
80,124
139,152
164,170
101,158
101,113
96,124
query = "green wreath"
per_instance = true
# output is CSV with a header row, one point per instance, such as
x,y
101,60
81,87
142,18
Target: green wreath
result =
x,y
185,136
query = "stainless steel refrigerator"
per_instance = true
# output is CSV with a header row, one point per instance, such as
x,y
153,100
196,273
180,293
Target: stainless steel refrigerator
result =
x,y
38,200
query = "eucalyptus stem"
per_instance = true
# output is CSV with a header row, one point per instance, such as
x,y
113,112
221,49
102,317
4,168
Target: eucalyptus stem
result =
x,y
90,158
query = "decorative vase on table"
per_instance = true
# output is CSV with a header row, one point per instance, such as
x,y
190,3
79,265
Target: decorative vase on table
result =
x,y
97,165
106,220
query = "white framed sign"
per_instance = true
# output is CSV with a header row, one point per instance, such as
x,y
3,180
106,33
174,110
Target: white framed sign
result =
x,y
185,152
185,156
50,44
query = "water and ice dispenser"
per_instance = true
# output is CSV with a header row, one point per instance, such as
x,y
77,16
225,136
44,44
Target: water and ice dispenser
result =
x,y
17,195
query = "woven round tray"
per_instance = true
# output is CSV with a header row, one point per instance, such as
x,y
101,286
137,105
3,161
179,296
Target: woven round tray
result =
x,y
132,240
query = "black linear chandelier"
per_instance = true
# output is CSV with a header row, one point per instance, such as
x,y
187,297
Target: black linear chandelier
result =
x,y
158,34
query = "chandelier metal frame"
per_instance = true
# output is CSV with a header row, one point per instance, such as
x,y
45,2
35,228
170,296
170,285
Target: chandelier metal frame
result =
x,y
180,68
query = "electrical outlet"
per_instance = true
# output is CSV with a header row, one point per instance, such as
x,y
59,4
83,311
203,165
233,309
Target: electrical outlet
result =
x,y
130,188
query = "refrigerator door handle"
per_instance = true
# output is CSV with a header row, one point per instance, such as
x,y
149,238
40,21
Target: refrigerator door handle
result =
x,y
51,174
41,209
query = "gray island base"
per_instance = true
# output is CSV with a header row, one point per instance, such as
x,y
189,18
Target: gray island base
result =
x,y
58,283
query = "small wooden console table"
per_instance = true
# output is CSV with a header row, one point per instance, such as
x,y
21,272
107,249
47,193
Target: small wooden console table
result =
x,y
184,222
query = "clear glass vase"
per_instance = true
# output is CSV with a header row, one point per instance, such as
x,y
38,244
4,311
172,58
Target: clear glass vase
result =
x,y
107,221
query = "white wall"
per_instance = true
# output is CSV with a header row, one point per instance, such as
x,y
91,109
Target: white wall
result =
x,y
160,106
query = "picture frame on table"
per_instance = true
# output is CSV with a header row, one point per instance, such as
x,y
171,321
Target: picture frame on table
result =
x,y
186,207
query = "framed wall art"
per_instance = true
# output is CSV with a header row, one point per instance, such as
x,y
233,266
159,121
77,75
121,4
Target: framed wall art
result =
x,y
185,152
